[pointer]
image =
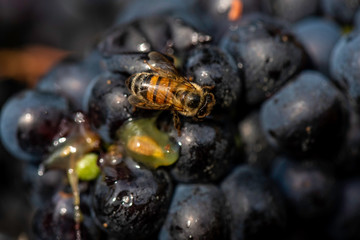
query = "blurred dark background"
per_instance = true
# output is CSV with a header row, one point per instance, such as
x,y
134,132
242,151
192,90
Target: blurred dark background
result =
x,y
56,23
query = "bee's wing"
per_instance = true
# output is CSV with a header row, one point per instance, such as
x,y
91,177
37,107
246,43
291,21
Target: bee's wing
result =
x,y
163,66
142,103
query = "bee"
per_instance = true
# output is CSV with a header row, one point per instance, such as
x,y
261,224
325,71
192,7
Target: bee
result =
x,y
165,89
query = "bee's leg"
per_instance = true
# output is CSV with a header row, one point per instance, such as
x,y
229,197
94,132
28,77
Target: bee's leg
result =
x,y
177,123
190,78
196,119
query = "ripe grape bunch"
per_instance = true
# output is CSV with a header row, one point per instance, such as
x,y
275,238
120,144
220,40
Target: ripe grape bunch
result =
x,y
203,119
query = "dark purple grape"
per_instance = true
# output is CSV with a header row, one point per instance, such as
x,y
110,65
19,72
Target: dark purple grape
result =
x,y
341,10
256,209
186,10
290,10
308,116
266,53
307,186
318,36
55,220
173,35
207,151
347,219
130,201
347,162
30,121
126,63
71,77
131,11
258,152
164,34
345,65
107,104
197,211
210,66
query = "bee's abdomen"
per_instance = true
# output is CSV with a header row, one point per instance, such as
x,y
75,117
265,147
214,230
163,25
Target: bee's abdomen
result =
x,y
151,87
162,91
139,84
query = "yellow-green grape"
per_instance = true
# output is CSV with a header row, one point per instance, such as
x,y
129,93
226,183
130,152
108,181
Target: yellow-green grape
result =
x,y
86,168
147,144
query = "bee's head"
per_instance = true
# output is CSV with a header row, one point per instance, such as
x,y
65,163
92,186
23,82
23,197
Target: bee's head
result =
x,y
207,106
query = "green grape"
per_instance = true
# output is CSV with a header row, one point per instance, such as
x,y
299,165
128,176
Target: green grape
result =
x,y
147,144
86,168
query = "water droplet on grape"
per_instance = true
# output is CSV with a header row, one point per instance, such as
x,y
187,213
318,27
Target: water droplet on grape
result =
x,y
188,223
41,170
144,47
127,200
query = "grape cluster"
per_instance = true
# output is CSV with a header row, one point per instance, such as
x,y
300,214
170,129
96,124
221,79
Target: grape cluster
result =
x,y
278,157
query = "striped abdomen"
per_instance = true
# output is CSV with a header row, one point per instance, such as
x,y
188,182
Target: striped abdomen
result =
x,y
153,88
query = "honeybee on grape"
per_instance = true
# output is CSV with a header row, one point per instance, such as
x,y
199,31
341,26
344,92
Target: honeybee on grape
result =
x,y
165,89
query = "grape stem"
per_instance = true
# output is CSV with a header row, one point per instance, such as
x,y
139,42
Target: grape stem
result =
x,y
74,183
